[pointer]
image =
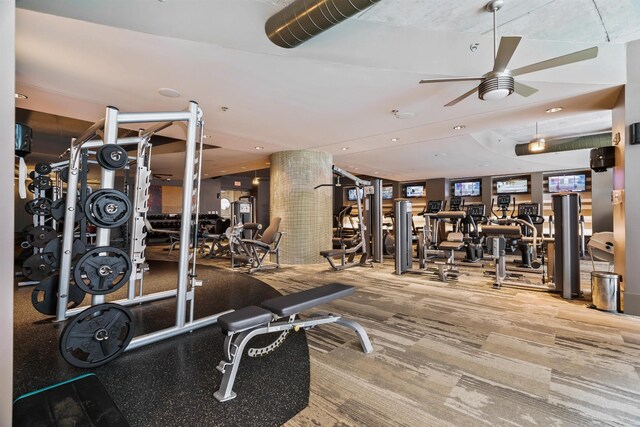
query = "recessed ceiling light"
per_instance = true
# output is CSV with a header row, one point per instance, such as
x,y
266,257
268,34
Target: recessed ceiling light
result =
x,y
20,96
554,109
395,139
243,167
458,127
440,154
376,173
207,136
267,163
168,92
206,174
344,148
223,171
356,168
259,148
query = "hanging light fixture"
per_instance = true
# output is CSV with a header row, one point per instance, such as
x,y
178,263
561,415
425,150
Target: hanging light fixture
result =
x,y
256,179
537,144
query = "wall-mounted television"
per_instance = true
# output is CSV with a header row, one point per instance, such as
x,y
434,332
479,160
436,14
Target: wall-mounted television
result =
x,y
414,191
352,194
558,184
466,188
387,193
512,186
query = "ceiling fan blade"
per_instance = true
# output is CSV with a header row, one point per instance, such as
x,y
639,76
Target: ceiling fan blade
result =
x,y
508,45
461,97
581,55
523,90
453,79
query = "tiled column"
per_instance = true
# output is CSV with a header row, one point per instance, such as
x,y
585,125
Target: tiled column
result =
x,y
306,213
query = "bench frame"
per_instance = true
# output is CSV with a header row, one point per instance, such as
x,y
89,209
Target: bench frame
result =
x,y
235,343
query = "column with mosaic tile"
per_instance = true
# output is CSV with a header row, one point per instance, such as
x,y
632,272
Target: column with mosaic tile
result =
x,y
306,213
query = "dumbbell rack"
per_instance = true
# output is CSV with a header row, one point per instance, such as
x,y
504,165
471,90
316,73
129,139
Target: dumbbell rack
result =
x,y
107,128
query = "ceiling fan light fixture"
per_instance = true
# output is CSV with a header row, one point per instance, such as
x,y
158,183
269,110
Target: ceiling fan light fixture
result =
x,y
537,145
495,88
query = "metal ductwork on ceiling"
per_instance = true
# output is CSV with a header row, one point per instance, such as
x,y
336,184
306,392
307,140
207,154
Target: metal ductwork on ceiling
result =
x,y
568,144
304,19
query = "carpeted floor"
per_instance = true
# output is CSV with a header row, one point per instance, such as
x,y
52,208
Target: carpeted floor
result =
x,y
171,383
464,354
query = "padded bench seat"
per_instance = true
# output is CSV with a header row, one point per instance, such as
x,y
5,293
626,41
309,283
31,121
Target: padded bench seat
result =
x,y
244,318
295,303
456,246
502,230
335,252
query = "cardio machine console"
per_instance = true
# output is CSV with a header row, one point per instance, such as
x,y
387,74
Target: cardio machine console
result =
x,y
531,209
455,202
476,211
504,201
434,206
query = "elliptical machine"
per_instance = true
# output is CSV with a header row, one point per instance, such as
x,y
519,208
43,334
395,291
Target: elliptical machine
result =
x,y
473,240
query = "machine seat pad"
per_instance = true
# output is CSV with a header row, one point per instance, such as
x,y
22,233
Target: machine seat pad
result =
x,y
502,230
295,303
244,318
456,246
335,252
258,243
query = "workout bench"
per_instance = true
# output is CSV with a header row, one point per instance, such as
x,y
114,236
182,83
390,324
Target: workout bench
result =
x,y
277,315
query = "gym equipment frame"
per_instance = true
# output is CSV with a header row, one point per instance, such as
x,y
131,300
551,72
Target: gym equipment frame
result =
x,y
106,130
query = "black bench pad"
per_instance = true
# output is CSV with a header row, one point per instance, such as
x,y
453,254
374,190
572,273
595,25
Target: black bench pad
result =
x,y
335,252
295,303
246,317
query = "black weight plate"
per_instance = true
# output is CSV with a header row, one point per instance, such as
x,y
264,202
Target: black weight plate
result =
x,y
42,182
41,235
103,270
31,187
32,174
43,168
58,209
26,230
44,296
37,267
97,335
108,208
54,248
112,157
64,174
39,206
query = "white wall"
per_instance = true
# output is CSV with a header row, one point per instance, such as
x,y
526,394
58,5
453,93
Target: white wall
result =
x,y
626,176
7,132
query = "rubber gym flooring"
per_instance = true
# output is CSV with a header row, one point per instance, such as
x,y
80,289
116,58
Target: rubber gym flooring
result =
x,y
171,383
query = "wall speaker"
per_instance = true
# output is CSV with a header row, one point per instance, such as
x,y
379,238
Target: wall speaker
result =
x,y
634,131
602,158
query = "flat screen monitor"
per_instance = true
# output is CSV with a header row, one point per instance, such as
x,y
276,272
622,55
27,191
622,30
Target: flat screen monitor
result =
x,y
387,193
414,191
512,186
466,188
558,184
352,194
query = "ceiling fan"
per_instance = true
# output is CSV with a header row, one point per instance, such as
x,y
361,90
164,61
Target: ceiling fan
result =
x,y
499,82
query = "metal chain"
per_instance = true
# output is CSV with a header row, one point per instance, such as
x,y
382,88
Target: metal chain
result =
x,y
263,351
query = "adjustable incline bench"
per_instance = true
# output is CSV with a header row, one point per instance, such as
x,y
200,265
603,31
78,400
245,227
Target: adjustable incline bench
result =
x,y
277,315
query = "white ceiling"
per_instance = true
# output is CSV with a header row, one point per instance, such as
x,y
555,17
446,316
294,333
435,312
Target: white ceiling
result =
x,y
74,57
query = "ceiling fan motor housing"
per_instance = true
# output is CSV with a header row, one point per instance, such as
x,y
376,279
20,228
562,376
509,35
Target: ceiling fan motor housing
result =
x,y
496,86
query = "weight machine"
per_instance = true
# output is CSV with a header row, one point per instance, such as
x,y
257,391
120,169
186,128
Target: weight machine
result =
x,y
369,243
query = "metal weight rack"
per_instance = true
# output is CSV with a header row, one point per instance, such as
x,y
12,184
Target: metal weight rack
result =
x,y
106,130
